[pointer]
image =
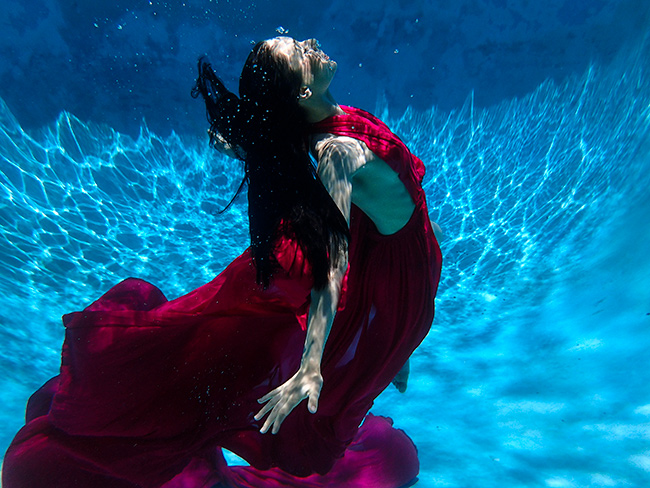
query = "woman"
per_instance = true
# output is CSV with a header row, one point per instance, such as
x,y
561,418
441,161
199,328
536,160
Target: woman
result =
x,y
333,296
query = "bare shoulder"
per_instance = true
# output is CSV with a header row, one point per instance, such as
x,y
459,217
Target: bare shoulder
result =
x,y
345,153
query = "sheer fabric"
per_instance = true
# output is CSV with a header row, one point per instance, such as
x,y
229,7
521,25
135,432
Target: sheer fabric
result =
x,y
150,389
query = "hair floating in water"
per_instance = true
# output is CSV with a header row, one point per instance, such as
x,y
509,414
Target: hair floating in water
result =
x,y
267,129
223,110
218,100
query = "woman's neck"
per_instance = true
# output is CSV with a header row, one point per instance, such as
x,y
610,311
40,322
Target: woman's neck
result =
x,y
321,107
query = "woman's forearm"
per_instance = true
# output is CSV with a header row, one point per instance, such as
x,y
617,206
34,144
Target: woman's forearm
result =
x,y
322,310
308,381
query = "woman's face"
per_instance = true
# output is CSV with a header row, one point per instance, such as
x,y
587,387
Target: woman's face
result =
x,y
306,58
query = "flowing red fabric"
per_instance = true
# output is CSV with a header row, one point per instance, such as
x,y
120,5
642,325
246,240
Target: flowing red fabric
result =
x,y
150,390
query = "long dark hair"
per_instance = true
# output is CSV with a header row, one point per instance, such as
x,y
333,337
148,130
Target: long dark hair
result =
x,y
267,129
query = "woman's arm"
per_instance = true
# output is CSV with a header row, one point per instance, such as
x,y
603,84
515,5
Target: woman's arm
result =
x,y
307,382
338,159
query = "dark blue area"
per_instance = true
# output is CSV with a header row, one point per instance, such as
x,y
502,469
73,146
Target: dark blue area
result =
x,y
120,62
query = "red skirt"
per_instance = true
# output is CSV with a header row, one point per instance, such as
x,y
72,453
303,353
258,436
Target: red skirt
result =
x,y
150,389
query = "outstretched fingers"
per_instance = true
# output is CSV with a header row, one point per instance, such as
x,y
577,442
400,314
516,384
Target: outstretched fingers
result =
x,y
270,395
280,402
267,425
278,413
278,409
272,402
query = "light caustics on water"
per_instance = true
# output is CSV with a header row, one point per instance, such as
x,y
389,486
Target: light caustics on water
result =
x,y
520,381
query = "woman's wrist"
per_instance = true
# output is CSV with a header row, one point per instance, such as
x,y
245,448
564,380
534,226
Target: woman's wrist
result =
x,y
310,365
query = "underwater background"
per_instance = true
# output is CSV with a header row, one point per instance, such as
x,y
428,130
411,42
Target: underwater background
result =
x,y
533,120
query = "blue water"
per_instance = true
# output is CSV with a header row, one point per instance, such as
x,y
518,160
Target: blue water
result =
x,y
536,370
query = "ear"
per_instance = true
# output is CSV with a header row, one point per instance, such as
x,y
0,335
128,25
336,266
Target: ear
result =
x,y
305,93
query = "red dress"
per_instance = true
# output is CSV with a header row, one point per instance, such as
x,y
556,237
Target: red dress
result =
x,y
150,389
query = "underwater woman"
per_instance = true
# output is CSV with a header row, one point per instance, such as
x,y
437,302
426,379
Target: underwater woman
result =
x,y
334,294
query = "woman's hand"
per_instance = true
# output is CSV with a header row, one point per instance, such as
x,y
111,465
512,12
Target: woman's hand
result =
x,y
306,383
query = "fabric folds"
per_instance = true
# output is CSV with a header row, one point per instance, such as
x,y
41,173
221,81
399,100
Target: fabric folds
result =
x,y
150,390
